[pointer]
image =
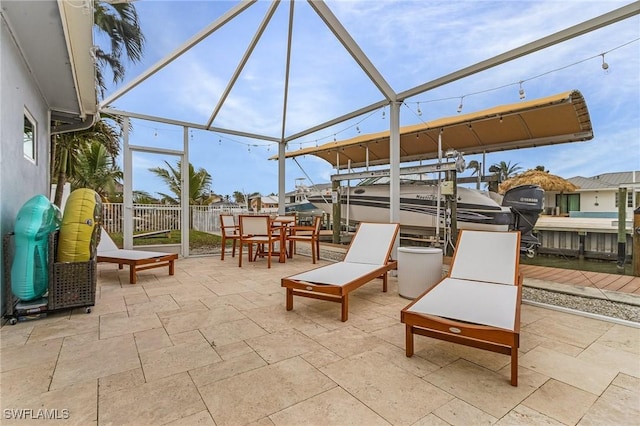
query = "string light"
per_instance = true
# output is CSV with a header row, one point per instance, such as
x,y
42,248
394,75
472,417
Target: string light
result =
x,y
460,106
605,66
383,114
357,128
419,110
521,91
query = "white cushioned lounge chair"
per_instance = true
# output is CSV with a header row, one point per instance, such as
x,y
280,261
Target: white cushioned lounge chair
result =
x,y
137,260
478,303
368,257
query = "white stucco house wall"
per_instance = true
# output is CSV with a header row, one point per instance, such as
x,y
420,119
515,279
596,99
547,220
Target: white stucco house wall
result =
x,y
47,86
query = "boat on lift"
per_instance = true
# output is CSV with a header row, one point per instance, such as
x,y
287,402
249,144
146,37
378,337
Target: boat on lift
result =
x,y
369,201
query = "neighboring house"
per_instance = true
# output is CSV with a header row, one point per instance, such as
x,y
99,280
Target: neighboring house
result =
x,y
597,196
267,204
47,86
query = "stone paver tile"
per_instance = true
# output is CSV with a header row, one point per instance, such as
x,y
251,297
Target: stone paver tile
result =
x,y
560,401
119,324
283,344
22,385
153,305
393,393
182,357
73,405
202,418
489,391
431,420
15,335
233,350
562,331
235,300
133,299
159,402
150,340
321,357
119,381
525,416
281,385
348,341
616,406
627,382
185,320
78,324
80,360
569,370
618,359
333,407
203,376
459,413
106,305
231,332
622,337
30,355
273,318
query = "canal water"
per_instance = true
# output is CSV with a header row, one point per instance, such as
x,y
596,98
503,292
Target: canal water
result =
x,y
554,261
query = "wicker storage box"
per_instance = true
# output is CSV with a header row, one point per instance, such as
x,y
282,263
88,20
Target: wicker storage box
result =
x,y
71,285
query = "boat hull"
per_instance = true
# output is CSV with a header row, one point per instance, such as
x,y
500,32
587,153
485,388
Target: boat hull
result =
x,y
418,207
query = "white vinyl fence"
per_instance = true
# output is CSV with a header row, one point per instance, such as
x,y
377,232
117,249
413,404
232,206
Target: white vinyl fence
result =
x,y
154,217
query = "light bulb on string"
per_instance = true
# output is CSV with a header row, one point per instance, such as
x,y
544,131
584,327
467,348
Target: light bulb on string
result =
x,y
334,137
358,129
219,141
155,133
419,110
460,106
383,114
521,91
605,66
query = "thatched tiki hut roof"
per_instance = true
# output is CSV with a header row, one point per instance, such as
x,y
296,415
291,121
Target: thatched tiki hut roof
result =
x,y
545,180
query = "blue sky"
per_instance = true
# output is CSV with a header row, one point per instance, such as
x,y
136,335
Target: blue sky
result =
x,y
410,43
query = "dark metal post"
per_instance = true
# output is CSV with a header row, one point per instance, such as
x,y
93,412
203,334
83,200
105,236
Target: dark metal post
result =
x,y
622,231
636,242
335,189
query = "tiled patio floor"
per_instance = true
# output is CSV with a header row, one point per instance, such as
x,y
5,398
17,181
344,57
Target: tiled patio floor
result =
x,y
214,345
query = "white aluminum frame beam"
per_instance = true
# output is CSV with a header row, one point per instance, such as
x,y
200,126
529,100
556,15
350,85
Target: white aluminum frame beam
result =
x,y
214,26
188,124
428,168
243,61
352,47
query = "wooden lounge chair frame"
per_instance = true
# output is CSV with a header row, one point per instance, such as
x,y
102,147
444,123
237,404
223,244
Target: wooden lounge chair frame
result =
x,y
137,260
478,303
368,257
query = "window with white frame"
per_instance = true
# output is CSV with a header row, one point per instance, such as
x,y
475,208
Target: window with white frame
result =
x,y
29,137
629,199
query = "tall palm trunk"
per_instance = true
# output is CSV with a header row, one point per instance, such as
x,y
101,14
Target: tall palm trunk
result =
x,y
62,176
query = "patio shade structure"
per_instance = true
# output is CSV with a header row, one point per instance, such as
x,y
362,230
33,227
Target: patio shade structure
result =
x,y
545,180
551,120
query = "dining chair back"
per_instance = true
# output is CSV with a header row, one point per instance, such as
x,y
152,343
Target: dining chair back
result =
x,y
309,234
230,231
256,230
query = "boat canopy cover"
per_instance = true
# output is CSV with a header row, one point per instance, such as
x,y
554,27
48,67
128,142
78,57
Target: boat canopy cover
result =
x,y
551,120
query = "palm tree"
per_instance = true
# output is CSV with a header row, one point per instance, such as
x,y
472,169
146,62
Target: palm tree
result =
x,y
199,183
96,169
502,171
69,146
238,197
119,23
475,166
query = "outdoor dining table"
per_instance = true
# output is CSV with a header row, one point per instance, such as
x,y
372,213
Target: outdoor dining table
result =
x,y
282,225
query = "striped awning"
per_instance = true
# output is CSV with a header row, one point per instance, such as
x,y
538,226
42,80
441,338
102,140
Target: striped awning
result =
x,y
551,120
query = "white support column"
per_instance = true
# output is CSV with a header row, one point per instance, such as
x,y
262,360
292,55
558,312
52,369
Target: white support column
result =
x,y
184,192
281,177
394,160
394,163
127,196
